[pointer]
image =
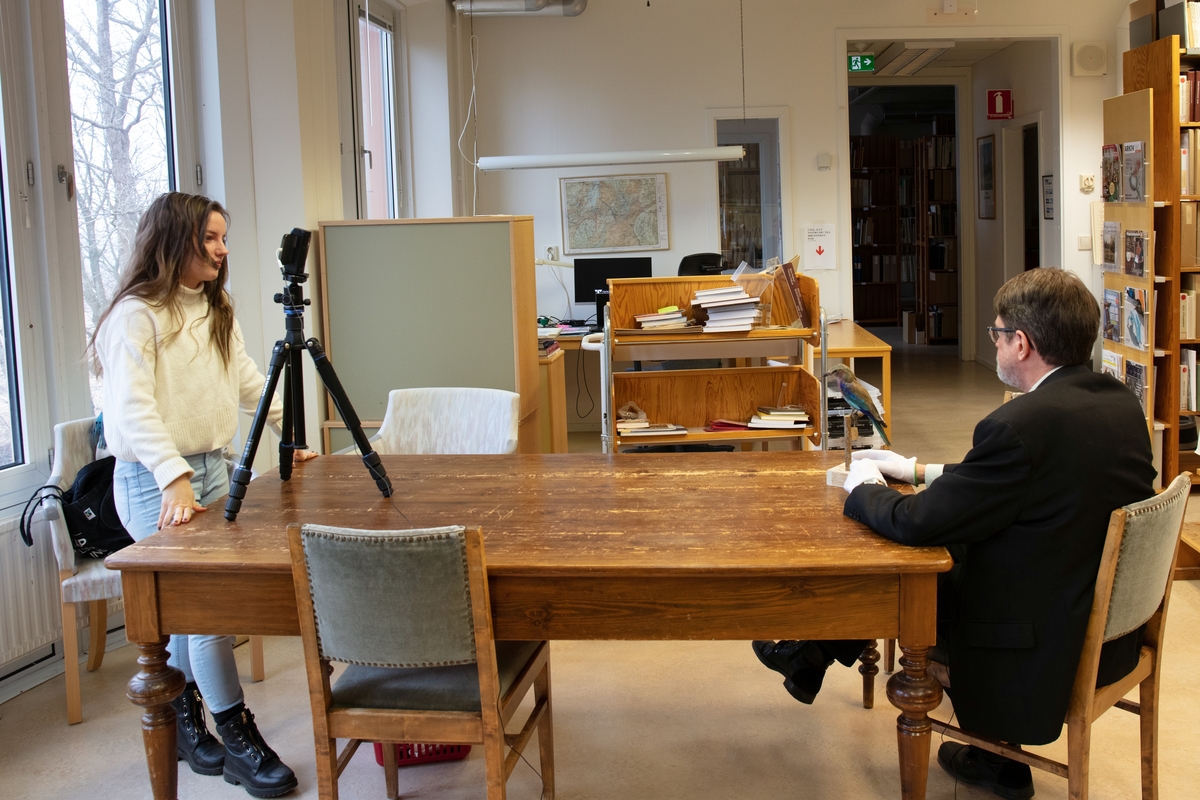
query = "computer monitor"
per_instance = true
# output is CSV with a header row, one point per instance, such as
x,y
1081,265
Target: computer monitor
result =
x,y
593,273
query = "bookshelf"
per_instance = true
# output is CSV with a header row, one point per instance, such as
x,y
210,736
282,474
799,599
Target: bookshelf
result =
x,y
694,397
1157,66
740,186
883,211
937,241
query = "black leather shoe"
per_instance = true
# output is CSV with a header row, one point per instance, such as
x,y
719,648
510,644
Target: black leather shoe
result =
x,y
193,743
250,762
1003,776
802,664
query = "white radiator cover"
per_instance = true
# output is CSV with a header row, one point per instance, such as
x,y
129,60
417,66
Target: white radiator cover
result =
x,y
30,607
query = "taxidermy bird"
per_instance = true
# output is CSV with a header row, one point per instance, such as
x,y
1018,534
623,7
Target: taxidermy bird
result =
x,y
855,394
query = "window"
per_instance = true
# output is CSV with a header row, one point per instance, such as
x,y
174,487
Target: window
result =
x,y
11,451
749,196
378,111
121,126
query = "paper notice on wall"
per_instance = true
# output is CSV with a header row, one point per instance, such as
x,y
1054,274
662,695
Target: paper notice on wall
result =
x,y
820,243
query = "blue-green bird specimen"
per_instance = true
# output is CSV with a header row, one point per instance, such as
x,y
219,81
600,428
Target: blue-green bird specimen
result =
x,y
856,395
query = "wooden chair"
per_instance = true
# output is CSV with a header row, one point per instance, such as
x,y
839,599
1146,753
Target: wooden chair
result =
x,y
449,420
81,580
1133,589
409,613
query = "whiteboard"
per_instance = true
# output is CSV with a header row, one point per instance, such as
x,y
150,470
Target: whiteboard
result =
x,y
411,304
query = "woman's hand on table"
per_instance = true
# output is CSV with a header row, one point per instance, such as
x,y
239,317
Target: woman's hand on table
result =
x,y
300,456
178,503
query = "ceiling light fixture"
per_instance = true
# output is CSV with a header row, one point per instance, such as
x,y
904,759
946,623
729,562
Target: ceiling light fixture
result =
x,y
726,153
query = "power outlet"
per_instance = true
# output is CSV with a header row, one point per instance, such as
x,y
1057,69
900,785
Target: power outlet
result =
x,y
1087,183
552,253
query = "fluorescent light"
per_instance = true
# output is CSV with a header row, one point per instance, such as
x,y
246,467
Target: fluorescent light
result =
x,y
726,153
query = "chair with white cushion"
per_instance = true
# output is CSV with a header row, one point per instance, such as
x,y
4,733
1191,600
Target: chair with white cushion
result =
x,y
83,580
451,420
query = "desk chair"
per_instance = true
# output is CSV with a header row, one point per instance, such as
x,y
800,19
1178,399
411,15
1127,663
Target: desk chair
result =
x,y
700,264
1133,589
448,421
81,580
427,668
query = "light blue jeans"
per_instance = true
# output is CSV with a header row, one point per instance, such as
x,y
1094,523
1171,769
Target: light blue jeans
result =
x,y
207,660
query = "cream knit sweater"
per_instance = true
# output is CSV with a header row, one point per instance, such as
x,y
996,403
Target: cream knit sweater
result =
x,y
164,402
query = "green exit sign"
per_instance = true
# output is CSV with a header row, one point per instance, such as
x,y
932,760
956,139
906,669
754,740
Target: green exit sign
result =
x,y
862,62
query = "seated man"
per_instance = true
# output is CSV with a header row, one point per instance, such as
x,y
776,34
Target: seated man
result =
x,y
1025,516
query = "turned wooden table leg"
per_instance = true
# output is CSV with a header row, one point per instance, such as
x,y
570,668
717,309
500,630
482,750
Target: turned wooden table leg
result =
x,y
915,693
153,688
869,658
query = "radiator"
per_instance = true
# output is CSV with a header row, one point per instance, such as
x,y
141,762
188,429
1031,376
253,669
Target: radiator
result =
x,y
30,608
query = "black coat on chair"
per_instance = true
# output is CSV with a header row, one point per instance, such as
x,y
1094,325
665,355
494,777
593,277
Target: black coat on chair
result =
x,y
1025,516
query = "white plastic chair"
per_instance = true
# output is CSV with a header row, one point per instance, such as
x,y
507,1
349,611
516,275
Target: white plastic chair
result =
x,y
457,420
83,580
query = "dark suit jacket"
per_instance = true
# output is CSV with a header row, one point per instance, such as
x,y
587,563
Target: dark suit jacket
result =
x,y
1025,515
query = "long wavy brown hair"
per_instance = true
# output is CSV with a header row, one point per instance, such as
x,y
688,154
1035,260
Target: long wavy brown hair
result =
x,y
170,235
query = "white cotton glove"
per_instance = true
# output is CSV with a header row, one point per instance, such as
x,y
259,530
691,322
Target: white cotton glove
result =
x,y
890,463
862,471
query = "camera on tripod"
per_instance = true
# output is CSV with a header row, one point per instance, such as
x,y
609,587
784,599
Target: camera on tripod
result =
x,y
293,253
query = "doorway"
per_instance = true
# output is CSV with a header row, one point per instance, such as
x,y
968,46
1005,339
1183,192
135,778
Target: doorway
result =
x,y
1031,159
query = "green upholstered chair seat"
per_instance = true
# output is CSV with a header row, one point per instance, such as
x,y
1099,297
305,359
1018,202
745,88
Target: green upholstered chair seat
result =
x,y
427,688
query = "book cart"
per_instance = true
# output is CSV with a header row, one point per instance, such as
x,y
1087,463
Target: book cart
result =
x,y
1156,67
694,397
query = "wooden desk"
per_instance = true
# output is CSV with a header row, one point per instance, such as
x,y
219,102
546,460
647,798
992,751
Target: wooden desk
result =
x,y
676,546
848,340
552,402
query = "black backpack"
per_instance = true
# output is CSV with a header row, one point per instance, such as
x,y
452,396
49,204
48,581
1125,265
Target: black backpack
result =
x,y
89,509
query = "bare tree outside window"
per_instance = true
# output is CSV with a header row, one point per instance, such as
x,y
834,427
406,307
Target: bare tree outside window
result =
x,y
121,133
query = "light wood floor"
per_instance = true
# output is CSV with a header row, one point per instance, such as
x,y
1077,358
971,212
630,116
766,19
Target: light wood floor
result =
x,y
694,720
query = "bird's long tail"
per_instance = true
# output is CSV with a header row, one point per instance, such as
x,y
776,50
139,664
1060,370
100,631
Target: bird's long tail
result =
x,y
879,425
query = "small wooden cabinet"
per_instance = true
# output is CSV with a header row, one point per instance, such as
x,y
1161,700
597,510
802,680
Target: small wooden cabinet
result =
x,y
694,397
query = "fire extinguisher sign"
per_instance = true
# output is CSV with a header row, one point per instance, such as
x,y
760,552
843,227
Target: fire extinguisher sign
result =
x,y
999,104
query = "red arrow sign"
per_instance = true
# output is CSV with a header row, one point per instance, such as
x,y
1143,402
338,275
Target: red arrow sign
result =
x,y
820,251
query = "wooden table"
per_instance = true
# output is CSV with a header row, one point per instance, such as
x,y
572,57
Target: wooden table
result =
x,y
673,546
849,340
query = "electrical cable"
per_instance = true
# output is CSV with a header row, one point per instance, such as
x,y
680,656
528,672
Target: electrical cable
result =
x,y
581,380
472,113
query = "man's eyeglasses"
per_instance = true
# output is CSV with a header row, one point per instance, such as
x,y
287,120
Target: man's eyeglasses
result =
x,y
995,332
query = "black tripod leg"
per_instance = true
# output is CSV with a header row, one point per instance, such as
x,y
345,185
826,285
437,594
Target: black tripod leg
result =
x,y
334,386
241,475
298,399
287,442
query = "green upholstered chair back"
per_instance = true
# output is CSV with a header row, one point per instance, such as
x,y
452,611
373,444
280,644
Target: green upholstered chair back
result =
x,y
1144,563
390,598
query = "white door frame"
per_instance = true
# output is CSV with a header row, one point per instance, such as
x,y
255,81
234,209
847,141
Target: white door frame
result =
x,y
1012,191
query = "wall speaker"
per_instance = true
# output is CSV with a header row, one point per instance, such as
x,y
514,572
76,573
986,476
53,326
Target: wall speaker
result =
x,y
1089,59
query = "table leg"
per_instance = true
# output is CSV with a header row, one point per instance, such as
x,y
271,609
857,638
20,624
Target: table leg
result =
x,y
153,688
915,693
869,658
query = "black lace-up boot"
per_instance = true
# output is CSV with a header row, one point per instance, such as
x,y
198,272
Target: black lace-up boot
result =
x,y
193,743
250,762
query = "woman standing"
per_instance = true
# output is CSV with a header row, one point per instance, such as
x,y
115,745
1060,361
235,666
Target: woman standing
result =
x,y
176,374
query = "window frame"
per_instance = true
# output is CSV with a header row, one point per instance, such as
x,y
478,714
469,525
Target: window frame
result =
x,y
45,267
350,104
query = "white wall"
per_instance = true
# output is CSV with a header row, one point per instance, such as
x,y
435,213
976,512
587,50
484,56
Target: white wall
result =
x,y
431,50
1021,67
628,76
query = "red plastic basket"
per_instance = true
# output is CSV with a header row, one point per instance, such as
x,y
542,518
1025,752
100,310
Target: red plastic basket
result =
x,y
409,754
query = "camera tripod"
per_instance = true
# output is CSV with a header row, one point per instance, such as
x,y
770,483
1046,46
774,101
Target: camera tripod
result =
x,y
287,357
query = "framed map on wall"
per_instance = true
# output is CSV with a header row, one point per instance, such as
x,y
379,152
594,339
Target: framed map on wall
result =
x,y
614,213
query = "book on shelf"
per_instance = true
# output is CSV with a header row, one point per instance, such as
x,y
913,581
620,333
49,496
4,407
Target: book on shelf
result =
x,y
726,302
1187,389
630,424
794,300
1188,311
661,429
735,290
777,423
788,412
1135,311
1111,173
1133,172
547,347
1110,325
1189,234
725,425
1112,364
733,327
659,315
1135,253
1135,379
1110,236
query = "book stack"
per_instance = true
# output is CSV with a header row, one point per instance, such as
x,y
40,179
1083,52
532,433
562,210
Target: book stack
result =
x,y
546,347
641,427
664,319
726,310
782,417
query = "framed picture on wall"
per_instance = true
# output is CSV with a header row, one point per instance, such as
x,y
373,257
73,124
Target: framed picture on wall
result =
x,y
611,214
986,158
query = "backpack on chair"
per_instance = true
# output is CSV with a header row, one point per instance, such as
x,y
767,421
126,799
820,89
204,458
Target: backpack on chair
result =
x,y
88,508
